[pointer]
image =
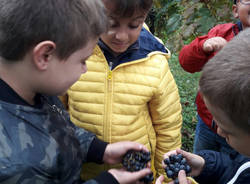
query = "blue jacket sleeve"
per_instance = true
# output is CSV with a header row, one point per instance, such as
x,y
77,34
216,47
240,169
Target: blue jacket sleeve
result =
x,y
220,168
215,166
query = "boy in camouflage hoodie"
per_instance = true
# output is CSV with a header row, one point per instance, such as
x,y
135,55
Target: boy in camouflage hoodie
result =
x,y
42,53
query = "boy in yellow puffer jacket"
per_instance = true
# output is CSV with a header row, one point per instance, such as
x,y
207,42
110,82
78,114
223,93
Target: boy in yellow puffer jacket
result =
x,y
128,92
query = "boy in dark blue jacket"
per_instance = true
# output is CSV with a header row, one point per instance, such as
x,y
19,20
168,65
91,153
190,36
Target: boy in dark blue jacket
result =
x,y
225,88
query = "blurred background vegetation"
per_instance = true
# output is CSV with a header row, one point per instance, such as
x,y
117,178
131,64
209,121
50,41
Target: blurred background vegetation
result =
x,y
178,22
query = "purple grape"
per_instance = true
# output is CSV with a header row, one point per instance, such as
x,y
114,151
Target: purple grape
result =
x,y
174,164
136,161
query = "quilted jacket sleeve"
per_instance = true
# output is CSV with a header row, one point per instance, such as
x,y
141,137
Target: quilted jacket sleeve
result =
x,y
192,57
165,109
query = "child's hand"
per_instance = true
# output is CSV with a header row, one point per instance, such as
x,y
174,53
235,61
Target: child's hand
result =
x,y
126,177
196,162
214,44
182,178
160,180
115,152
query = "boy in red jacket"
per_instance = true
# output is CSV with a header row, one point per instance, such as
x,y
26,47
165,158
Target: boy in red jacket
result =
x,y
195,55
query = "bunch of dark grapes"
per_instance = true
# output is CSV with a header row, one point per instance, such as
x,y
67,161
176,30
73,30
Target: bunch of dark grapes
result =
x,y
175,163
137,160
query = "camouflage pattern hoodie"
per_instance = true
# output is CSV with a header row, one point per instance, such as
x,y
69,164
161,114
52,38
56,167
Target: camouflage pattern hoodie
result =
x,y
39,144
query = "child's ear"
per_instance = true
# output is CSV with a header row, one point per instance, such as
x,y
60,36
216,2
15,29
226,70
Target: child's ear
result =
x,y
42,53
235,11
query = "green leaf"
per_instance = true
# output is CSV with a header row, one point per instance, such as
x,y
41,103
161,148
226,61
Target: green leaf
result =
x,y
173,23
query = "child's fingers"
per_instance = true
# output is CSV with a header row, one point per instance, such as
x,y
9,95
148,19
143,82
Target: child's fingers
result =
x,y
214,44
208,47
160,180
166,155
187,155
142,147
149,165
139,174
128,145
182,177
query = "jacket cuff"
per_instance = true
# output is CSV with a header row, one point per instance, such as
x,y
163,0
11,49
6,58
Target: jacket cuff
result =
x,y
201,43
208,168
106,177
96,151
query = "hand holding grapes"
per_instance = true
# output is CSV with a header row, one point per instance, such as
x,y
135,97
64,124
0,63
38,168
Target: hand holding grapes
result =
x,y
135,161
182,179
127,177
114,152
196,162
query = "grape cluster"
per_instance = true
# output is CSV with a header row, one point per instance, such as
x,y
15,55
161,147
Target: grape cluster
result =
x,y
137,160
175,163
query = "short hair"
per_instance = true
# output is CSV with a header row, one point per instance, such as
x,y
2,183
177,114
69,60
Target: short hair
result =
x,y
126,8
225,80
68,23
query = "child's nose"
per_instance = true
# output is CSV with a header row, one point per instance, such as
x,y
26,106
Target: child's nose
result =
x,y
121,35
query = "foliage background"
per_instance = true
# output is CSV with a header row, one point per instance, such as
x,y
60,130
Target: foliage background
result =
x,y
178,22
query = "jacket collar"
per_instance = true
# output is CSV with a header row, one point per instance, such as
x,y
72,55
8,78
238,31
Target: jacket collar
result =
x,y
113,60
145,44
106,49
10,96
237,28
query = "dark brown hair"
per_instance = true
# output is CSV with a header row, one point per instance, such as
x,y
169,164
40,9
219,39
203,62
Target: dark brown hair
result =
x,y
126,8
225,80
68,23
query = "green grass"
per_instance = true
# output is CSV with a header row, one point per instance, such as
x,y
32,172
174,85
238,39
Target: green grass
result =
x,y
187,84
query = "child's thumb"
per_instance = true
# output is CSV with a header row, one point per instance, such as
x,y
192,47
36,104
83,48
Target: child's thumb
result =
x,y
160,180
182,177
184,153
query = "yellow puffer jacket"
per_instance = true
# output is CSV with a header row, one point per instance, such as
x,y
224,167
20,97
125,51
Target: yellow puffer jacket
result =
x,y
136,101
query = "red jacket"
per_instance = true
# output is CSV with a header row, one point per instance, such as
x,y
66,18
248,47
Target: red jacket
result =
x,y
192,58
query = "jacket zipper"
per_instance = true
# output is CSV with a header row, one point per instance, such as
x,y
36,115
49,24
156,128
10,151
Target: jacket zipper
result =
x,y
107,122
108,107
